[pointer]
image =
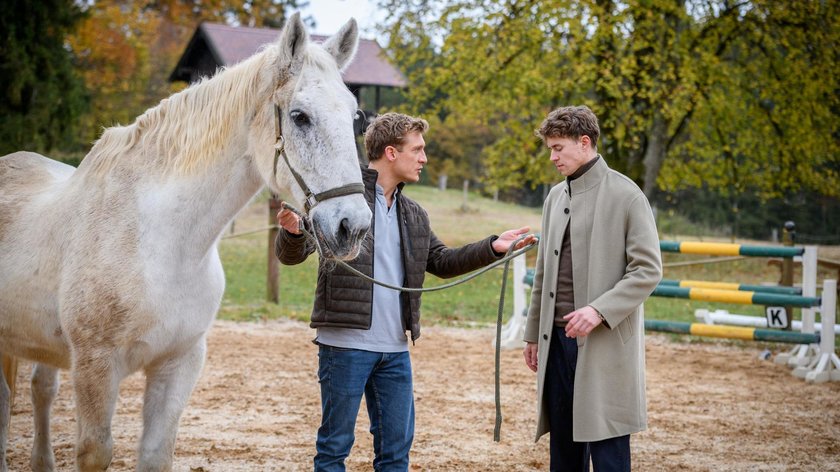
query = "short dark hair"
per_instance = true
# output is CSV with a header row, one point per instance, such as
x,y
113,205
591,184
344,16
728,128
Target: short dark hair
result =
x,y
390,129
570,122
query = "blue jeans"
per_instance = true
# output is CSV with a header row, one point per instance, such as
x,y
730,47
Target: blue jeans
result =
x,y
385,381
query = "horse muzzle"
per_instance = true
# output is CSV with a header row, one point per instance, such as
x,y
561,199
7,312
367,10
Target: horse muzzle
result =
x,y
341,224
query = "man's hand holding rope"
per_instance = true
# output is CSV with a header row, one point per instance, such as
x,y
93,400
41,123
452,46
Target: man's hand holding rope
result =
x,y
288,220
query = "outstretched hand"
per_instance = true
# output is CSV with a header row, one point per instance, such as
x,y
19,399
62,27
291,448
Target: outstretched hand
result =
x,y
504,241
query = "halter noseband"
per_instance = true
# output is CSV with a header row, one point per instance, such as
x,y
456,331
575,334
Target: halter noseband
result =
x,y
312,198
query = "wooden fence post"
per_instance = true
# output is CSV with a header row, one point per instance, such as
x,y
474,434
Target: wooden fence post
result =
x,y
788,236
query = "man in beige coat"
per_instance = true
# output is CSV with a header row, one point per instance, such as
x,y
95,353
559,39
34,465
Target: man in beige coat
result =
x,y
598,261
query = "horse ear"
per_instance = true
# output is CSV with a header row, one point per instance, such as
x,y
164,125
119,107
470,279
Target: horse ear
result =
x,y
293,40
342,45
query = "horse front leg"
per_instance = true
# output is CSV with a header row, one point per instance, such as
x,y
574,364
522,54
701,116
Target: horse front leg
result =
x,y
7,381
168,388
96,387
44,390
10,367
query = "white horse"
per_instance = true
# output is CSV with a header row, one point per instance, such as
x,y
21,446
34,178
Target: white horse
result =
x,y
114,267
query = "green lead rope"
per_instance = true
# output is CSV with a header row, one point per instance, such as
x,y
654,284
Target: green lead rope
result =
x,y
504,260
497,430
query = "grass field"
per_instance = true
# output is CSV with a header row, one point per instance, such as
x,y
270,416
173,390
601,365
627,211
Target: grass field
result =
x,y
475,302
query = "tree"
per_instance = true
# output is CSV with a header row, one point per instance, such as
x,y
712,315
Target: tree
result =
x,y
767,121
42,96
112,47
672,81
127,49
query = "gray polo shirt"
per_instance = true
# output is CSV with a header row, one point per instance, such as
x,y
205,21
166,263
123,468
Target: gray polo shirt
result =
x,y
387,331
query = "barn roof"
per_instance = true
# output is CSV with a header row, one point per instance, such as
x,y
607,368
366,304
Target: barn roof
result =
x,y
228,45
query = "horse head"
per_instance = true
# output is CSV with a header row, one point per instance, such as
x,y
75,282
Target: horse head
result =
x,y
307,148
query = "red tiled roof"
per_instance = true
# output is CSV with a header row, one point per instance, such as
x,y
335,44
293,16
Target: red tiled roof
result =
x,y
230,44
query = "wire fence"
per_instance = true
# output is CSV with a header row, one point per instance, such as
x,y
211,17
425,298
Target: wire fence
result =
x,y
245,233
814,239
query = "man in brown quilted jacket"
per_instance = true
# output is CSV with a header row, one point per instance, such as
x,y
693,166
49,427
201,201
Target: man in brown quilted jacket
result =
x,y
361,327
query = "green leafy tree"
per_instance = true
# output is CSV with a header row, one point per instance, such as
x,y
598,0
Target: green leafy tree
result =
x,y
687,91
767,122
42,96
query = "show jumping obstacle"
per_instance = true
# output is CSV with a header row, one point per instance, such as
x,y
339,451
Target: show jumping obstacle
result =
x,y
731,332
823,367
813,357
807,254
741,297
724,317
731,286
727,249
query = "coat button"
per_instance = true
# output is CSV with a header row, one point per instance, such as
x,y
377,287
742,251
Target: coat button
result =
x,y
556,252
551,294
545,336
566,211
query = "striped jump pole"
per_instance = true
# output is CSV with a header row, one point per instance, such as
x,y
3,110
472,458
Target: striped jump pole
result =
x,y
727,249
732,286
735,296
724,317
731,332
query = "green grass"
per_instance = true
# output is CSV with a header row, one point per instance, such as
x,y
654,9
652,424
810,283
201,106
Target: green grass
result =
x,y
475,302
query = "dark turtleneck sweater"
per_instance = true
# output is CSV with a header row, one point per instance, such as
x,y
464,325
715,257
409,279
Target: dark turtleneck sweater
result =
x,y
564,299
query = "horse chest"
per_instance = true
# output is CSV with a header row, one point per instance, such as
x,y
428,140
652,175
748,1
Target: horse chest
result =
x,y
184,305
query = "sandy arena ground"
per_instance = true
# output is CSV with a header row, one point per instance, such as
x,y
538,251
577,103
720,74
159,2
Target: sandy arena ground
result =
x,y
712,407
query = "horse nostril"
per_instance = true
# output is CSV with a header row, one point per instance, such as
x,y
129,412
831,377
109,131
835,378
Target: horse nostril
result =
x,y
344,230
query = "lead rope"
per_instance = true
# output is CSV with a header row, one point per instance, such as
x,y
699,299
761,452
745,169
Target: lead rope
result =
x,y
497,429
510,254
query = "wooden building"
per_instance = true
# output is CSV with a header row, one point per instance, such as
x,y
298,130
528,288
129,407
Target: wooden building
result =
x,y
216,45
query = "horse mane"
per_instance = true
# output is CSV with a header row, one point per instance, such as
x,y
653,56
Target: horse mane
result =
x,y
187,128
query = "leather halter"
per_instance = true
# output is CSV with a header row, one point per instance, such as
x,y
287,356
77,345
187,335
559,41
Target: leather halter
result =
x,y
312,198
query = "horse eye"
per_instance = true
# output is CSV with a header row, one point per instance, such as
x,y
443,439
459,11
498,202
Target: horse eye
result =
x,y
300,118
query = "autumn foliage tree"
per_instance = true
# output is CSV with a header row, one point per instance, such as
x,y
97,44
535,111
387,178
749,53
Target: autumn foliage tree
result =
x,y
127,49
70,68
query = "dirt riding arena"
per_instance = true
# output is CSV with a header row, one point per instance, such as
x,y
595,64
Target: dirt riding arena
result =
x,y
712,407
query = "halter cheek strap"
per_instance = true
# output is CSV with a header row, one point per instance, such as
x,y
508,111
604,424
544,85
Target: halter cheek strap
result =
x,y
312,198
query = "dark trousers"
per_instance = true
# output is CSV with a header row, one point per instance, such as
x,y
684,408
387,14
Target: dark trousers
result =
x,y
609,455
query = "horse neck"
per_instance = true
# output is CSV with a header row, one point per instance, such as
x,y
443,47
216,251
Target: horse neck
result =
x,y
189,159
203,205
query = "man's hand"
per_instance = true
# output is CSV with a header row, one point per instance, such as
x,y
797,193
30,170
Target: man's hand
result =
x,y
581,322
503,242
288,220
530,353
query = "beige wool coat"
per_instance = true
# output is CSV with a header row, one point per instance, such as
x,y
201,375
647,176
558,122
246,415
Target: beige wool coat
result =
x,y
616,264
